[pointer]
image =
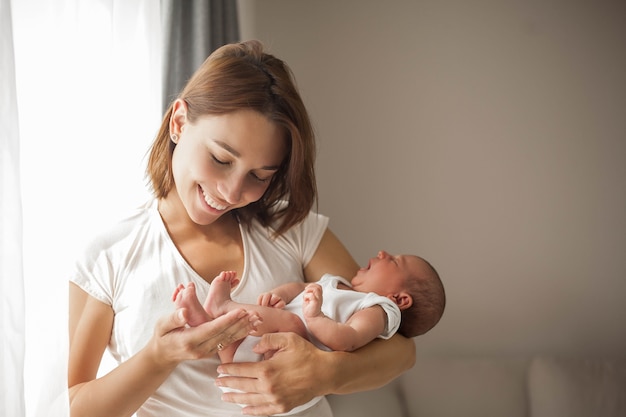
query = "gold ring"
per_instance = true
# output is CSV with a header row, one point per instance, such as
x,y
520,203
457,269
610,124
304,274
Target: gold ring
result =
x,y
220,346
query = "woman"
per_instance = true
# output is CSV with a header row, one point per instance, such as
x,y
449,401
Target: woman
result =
x,y
232,173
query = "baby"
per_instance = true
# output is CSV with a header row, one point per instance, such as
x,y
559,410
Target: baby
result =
x,y
400,293
392,293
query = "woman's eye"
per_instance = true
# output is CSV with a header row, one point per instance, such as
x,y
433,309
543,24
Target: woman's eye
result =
x,y
218,161
259,179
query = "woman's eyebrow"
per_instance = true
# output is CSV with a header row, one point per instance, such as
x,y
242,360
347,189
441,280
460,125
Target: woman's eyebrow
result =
x,y
270,168
228,148
231,150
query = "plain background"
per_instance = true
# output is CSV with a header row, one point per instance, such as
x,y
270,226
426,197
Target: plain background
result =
x,y
487,136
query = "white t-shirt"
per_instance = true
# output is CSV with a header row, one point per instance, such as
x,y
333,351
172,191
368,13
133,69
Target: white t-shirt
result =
x,y
135,267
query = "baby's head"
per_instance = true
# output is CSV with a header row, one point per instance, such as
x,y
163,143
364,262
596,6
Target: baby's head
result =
x,y
428,298
412,283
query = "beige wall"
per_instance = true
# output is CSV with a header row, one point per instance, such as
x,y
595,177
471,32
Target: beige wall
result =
x,y
487,136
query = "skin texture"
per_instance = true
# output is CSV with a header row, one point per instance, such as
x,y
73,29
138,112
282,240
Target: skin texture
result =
x,y
221,163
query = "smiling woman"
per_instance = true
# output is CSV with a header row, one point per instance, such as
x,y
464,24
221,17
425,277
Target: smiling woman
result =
x,y
244,168
88,92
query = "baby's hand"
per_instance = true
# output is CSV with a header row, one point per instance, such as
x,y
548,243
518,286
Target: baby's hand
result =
x,y
270,299
312,298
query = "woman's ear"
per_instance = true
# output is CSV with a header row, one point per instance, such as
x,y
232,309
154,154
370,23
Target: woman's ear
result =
x,y
178,119
403,300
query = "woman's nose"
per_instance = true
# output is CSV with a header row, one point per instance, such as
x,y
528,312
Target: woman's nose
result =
x,y
231,189
382,254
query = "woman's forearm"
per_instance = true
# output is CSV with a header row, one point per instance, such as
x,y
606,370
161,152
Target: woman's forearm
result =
x,y
121,392
371,366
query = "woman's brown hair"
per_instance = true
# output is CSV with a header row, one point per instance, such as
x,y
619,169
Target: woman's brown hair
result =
x,y
242,76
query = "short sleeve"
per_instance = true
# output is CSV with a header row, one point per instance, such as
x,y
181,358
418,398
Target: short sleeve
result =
x,y
305,237
313,228
93,274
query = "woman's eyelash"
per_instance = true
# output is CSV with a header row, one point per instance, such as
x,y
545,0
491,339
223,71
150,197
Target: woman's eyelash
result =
x,y
256,178
219,161
260,179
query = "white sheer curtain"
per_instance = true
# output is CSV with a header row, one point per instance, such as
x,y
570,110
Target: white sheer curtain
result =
x,y
11,278
89,96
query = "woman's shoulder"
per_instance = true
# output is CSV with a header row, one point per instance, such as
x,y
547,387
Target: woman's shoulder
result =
x,y
109,251
312,222
288,253
124,227
301,238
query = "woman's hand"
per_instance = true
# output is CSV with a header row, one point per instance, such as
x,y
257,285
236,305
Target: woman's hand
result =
x,y
294,375
123,390
174,342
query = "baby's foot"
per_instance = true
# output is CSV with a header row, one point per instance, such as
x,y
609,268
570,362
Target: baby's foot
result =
x,y
218,299
312,297
185,297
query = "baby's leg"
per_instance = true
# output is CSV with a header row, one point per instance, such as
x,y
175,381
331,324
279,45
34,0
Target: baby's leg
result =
x,y
185,297
218,302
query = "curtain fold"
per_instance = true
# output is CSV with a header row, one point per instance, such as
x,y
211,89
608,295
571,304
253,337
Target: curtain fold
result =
x,y
89,95
90,99
193,29
11,273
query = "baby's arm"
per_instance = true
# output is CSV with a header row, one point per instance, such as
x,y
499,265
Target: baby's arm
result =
x,y
282,295
361,328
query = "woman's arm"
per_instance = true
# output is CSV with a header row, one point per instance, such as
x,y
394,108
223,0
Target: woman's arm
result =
x,y
299,371
372,366
126,388
119,393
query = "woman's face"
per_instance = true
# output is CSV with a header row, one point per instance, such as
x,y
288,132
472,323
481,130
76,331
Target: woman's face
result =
x,y
224,162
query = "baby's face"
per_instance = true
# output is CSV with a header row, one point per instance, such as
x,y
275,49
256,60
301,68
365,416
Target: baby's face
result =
x,y
386,274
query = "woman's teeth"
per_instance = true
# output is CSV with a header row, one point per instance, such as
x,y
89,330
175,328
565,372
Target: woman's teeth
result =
x,y
212,203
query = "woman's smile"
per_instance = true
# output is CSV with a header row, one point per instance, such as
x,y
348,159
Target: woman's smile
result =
x,y
211,202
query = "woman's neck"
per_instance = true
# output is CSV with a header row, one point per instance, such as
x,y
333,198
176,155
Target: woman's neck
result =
x,y
208,249
181,227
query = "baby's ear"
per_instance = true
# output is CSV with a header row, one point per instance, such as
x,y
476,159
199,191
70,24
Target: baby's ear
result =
x,y
403,300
